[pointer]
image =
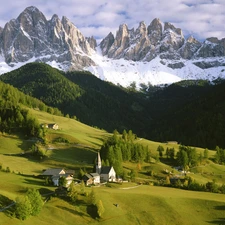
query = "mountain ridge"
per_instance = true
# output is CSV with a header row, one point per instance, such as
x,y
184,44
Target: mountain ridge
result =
x,y
190,112
155,54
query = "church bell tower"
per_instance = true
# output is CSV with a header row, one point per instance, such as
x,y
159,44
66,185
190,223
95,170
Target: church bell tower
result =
x,y
98,164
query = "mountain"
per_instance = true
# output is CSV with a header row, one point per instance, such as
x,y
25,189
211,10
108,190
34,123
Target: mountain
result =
x,y
189,112
156,54
32,37
81,94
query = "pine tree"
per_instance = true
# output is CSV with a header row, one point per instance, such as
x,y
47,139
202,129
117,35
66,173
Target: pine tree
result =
x,y
35,200
73,193
100,208
92,197
23,208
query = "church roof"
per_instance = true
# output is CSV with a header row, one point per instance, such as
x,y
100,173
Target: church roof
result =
x,y
105,169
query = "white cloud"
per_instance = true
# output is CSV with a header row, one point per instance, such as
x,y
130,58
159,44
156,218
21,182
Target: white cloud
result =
x,y
202,18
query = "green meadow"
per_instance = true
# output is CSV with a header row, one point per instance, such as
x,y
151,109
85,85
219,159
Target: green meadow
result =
x,y
127,203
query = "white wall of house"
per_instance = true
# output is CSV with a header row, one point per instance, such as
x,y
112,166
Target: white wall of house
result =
x,y
96,179
55,181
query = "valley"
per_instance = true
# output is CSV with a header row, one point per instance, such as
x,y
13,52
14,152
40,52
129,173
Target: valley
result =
x,y
145,103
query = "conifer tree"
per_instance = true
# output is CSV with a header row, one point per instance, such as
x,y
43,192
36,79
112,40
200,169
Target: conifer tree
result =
x,y
100,208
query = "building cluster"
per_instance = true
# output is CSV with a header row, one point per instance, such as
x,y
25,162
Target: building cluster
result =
x,y
102,174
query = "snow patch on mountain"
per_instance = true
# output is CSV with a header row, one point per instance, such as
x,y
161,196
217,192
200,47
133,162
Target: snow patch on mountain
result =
x,y
5,68
155,72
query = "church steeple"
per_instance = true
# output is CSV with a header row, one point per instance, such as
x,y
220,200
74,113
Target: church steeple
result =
x,y
98,164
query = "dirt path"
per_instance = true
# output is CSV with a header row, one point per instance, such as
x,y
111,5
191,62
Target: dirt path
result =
x,y
130,187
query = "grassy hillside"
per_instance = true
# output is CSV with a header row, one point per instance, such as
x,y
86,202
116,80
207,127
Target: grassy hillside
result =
x,y
136,204
81,94
190,112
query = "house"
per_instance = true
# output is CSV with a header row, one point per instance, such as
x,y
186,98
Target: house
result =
x,y
91,178
53,172
96,178
69,179
53,126
56,173
88,179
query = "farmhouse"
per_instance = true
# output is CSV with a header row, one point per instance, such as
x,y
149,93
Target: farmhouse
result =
x,y
91,178
53,126
55,174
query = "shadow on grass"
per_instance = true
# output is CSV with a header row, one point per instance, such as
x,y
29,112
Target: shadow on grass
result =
x,y
92,211
168,161
4,203
75,212
219,221
220,207
33,181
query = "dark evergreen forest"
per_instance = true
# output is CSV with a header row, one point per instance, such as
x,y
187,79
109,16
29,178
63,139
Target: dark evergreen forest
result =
x,y
189,112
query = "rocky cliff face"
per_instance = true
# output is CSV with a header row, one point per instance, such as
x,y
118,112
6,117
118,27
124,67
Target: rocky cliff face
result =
x,y
157,47
164,39
32,36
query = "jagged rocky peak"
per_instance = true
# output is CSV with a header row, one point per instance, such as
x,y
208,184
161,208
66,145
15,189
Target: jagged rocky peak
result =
x,y
172,38
144,43
31,16
92,42
77,41
106,43
55,21
121,42
155,31
214,40
122,35
191,39
24,36
32,35
169,26
56,34
212,47
189,48
142,29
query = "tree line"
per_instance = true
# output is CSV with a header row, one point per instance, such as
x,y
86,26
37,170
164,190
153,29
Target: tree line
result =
x,y
14,117
122,147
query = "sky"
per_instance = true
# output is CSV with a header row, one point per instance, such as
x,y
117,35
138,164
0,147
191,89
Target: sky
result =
x,y
199,18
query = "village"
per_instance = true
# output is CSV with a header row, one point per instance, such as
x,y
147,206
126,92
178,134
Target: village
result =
x,y
102,174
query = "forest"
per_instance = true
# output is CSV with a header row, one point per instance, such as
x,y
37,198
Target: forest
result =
x,y
15,118
189,112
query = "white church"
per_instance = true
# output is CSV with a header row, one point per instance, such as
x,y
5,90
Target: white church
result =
x,y
107,173
102,174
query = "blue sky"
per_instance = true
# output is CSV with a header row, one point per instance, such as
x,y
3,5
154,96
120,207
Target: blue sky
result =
x,y
200,18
